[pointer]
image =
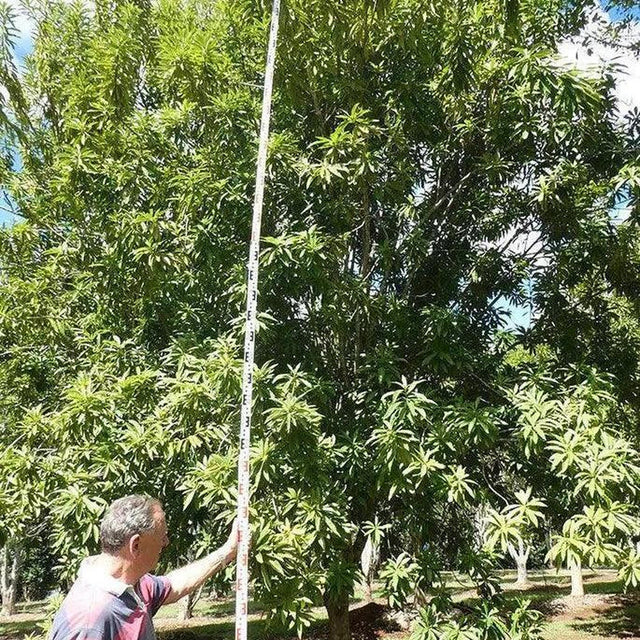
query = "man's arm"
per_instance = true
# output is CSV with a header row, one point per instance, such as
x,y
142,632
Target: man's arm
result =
x,y
188,578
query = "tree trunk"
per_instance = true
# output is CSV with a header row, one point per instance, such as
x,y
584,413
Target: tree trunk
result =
x,y
549,542
338,610
10,565
187,604
520,557
185,607
480,525
577,586
369,559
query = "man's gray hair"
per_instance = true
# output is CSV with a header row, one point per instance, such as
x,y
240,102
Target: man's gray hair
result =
x,y
127,517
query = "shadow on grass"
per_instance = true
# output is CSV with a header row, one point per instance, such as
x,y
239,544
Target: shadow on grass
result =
x,y
366,624
614,586
542,598
559,588
622,620
223,630
18,628
547,598
31,606
214,631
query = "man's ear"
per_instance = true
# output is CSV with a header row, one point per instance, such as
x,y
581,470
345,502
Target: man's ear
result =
x,y
134,545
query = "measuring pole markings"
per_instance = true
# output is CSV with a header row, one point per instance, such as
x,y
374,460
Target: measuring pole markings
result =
x,y
242,575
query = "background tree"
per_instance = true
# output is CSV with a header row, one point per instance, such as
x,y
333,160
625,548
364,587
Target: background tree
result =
x,y
513,527
570,426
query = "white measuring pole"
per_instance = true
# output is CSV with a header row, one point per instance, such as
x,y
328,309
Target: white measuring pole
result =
x,y
242,571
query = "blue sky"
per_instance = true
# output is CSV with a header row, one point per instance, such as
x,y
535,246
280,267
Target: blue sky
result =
x,y
617,14
6,218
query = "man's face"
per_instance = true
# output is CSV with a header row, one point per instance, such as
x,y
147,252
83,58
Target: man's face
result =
x,y
152,542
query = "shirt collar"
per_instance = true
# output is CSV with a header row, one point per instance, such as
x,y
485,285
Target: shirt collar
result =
x,y
92,574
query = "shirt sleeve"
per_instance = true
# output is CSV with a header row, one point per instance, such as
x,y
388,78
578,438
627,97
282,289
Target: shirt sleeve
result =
x,y
154,591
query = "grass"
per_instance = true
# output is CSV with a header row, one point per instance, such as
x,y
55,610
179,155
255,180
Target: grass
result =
x,y
18,628
606,613
620,618
621,621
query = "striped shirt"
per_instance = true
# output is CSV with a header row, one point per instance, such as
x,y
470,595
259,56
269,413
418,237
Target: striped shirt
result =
x,y
100,607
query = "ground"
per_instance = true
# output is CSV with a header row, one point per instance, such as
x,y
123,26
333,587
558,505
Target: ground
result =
x,y
605,613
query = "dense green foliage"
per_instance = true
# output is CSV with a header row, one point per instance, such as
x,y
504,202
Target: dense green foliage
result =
x,y
430,163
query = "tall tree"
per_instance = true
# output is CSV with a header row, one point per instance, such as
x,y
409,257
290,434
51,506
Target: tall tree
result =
x,y
414,152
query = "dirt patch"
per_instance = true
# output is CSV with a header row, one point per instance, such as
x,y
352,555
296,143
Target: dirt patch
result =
x,y
368,622
583,607
600,615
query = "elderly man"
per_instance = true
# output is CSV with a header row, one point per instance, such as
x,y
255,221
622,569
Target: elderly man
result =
x,y
115,595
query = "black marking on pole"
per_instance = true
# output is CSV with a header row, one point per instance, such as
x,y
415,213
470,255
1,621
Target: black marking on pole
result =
x,y
242,575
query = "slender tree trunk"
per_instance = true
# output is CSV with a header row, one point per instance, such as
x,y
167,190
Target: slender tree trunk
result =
x,y
521,557
549,543
577,585
365,263
187,604
10,565
521,566
366,560
338,611
369,559
480,525
185,608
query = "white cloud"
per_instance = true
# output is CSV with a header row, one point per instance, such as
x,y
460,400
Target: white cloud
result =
x,y
589,52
